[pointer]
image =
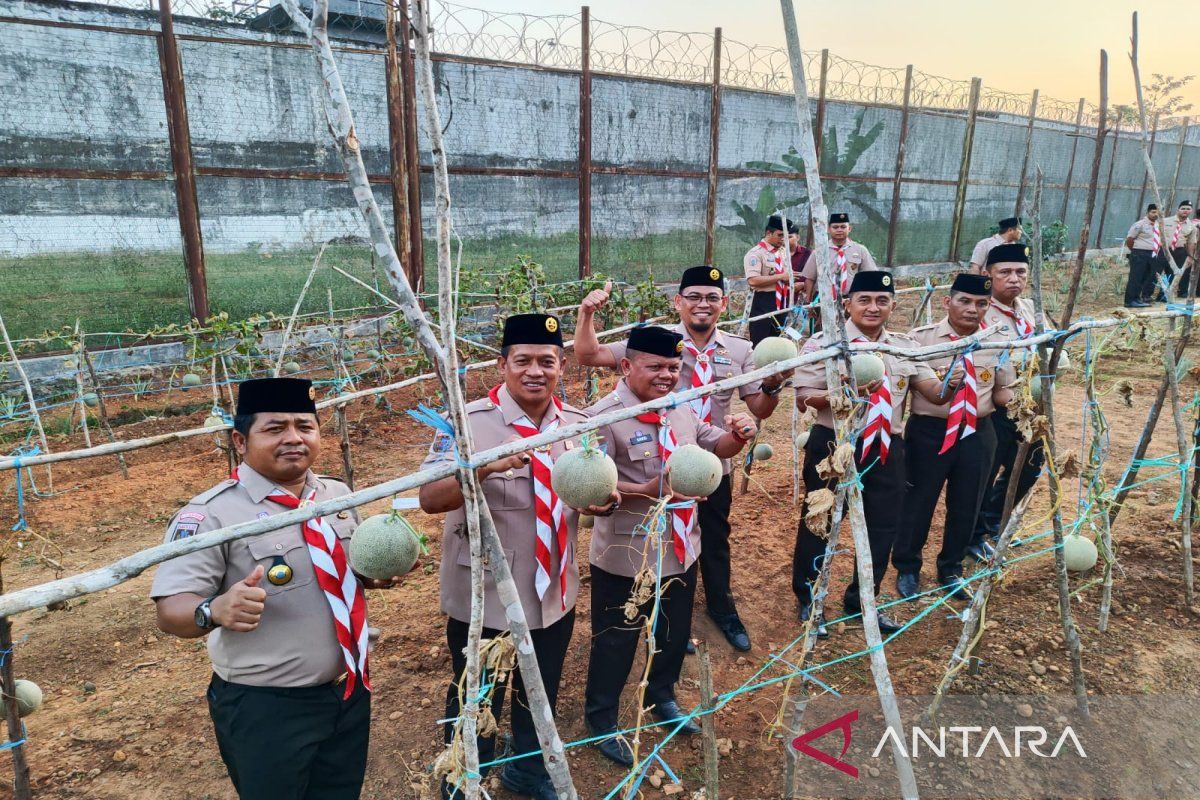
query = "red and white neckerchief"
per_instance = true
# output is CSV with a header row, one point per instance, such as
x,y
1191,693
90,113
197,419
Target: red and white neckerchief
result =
x,y
1023,327
1178,227
1157,239
844,276
702,375
549,509
345,594
879,418
964,410
681,518
781,287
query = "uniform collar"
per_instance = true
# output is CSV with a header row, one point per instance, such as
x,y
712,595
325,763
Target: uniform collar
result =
x,y
717,336
852,332
944,328
1013,309
258,487
626,395
512,411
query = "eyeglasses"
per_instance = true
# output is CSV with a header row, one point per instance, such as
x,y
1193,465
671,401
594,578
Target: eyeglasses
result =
x,y
697,299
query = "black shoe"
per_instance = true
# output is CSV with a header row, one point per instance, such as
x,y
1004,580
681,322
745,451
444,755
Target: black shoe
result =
x,y
517,781
980,551
1137,304
908,584
887,625
670,712
614,748
956,588
806,612
734,630
690,648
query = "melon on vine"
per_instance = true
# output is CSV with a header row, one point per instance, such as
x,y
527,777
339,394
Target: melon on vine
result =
x,y
773,349
693,471
191,380
802,439
291,367
763,452
867,368
1080,552
385,546
91,400
584,476
1035,387
214,421
28,695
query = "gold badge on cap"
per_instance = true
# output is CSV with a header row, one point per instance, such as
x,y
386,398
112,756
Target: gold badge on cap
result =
x,y
312,393
1027,252
551,324
714,274
988,284
886,280
280,572
679,347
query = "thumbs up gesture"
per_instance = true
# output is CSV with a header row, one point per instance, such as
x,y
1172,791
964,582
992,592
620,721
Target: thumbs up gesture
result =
x,y
596,299
241,607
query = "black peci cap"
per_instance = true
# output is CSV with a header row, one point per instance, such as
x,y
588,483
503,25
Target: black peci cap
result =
x,y
1185,203
839,217
969,283
774,223
702,276
1008,253
1151,207
875,280
282,395
532,329
656,341
1008,223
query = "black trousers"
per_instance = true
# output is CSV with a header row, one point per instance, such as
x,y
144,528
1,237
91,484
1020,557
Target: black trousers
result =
x,y
883,498
713,518
1007,442
761,303
292,744
550,644
1142,268
963,471
615,642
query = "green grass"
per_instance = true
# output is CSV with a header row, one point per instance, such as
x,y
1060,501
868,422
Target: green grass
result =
x,y
143,290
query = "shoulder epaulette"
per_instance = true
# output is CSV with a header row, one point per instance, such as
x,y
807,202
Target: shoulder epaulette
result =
x,y
206,496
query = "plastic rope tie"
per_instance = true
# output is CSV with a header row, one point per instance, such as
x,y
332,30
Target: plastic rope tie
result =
x,y
428,416
22,524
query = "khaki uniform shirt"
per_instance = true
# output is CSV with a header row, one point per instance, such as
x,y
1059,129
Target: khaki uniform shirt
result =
x,y
1187,233
510,498
732,356
901,373
760,261
983,247
618,545
857,258
996,318
294,644
989,373
1142,233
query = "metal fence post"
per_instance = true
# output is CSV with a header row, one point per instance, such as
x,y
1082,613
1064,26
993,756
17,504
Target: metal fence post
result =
x,y
1062,215
398,150
714,137
1112,160
894,218
585,145
186,204
1028,151
964,169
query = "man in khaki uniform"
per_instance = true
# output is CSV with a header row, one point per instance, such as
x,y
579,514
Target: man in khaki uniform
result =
x,y
622,547
1144,243
289,697
1015,318
1179,233
951,444
538,539
1010,232
709,355
768,270
879,450
846,256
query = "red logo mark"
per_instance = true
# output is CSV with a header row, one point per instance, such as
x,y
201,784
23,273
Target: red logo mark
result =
x,y
842,723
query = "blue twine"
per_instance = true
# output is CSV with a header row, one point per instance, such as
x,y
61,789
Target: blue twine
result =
x,y
428,416
20,453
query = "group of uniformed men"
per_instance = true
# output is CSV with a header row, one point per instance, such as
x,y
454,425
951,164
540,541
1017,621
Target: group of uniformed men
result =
x,y
285,615
1149,241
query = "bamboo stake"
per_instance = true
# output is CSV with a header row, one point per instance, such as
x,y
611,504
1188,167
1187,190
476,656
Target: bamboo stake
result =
x,y
708,724
339,367
16,730
101,405
79,404
1049,368
287,332
33,409
837,371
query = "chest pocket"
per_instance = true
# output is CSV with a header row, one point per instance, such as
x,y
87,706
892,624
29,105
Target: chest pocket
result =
x,y
508,491
287,547
645,460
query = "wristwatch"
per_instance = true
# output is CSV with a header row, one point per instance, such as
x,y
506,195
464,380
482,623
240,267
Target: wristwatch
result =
x,y
203,618
771,392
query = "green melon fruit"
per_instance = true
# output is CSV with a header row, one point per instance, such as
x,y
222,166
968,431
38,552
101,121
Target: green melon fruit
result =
x,y
374,355
867,368
29,697
191,380
384,546
693,471
763,452
587,521
291,367
1035,387
214,421
584,477
772,349
802,439
91,400
1079,552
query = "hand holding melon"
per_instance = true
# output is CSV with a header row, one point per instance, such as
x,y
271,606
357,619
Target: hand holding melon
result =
x,y
384,549
693,472
586,478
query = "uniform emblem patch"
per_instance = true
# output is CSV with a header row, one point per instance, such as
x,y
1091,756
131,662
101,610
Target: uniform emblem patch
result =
x,y
312,393
183,530
902,383
279,573
444,443
886,280
985,375
641,437
551,324
191,515
714,274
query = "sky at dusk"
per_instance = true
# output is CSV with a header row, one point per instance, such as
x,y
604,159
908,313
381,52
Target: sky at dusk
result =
x,y
1015,46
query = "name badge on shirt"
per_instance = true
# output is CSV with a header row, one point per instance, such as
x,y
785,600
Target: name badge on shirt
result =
x,y
722,360
641,437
